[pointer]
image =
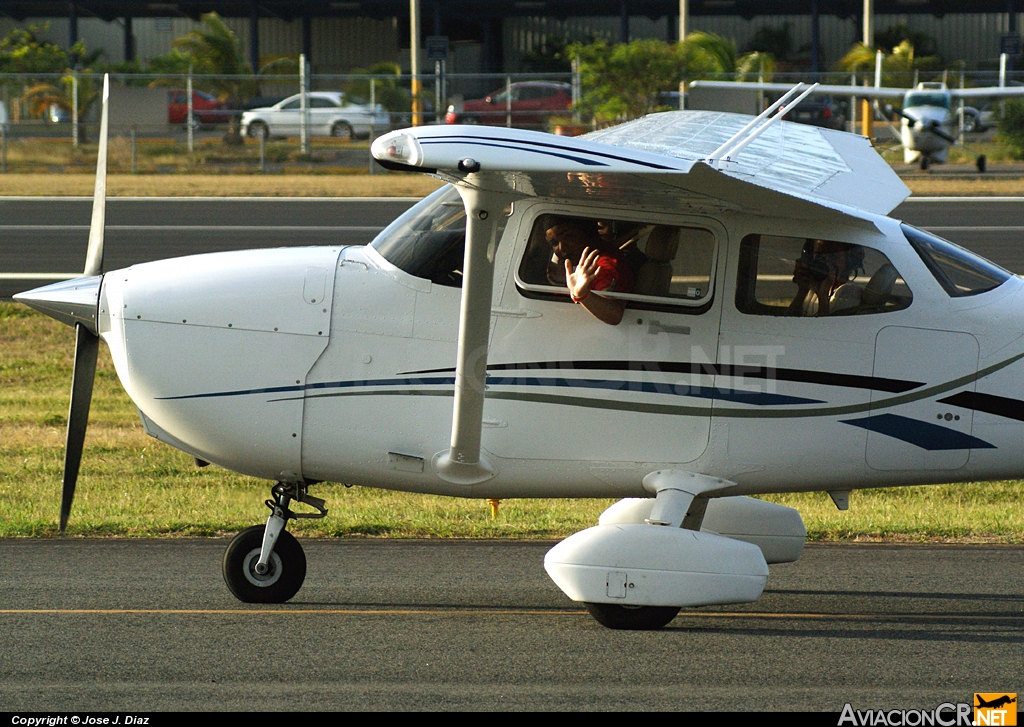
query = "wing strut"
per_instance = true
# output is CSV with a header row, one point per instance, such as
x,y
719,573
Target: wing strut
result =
x,y
727,155
465,462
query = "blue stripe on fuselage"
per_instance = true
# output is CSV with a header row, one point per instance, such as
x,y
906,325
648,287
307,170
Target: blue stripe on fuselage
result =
x,y
754,398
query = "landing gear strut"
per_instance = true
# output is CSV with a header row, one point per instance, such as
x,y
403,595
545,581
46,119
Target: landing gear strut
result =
x,y
265,563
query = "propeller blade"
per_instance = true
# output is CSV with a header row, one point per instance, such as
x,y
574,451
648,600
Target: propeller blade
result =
x,y
86,349
87,343
942,134
94,255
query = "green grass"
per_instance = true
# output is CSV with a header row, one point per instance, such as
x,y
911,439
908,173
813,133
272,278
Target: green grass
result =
x,y
995,153
132,485
167,155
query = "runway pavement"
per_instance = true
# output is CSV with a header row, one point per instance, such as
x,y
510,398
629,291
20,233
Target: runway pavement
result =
x,y
149,625
47,236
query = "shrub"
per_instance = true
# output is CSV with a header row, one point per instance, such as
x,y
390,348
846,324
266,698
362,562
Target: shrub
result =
x,y
1011,128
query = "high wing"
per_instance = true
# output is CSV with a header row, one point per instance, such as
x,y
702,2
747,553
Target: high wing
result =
x,y
658,161
987,92
879,92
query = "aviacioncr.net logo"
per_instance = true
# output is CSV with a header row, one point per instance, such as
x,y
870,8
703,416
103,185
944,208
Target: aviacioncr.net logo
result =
x,y
995,708
946,714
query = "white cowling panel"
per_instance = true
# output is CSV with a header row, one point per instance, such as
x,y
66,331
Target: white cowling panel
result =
x,y
214,350
776,529
652,565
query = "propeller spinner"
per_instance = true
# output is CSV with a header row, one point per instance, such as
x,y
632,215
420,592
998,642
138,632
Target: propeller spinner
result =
x,y
75,302
930,125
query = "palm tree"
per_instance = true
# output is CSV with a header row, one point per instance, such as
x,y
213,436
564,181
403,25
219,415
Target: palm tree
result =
x,y
217,51
897,67
39,98
708,54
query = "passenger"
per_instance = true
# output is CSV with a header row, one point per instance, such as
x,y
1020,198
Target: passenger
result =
x,y
598,268
824,267
623,236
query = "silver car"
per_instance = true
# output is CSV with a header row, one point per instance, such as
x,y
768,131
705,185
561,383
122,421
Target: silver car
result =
x,y
330,114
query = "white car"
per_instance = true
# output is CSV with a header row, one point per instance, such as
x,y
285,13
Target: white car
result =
x,y
330,114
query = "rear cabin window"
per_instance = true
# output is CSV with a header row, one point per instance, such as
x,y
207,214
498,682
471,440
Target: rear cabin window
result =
x,y
804,277
960,272
654,264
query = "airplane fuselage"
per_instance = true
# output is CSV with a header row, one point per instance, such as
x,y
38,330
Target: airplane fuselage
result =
x,y
918,132
334,364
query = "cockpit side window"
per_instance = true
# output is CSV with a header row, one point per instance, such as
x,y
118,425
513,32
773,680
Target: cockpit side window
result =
x,y
655,264
806,277
429,240
960,272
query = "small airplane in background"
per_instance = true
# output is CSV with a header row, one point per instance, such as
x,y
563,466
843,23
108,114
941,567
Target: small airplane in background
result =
x,y
780,334
929,118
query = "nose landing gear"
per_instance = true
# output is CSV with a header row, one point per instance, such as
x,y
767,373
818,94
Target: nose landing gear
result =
x,y
265,563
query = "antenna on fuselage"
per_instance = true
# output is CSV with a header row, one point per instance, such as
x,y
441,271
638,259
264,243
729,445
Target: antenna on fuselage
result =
x,y
726,157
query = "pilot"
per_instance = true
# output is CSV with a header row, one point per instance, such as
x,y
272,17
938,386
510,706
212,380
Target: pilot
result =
x,y
823,274
598,267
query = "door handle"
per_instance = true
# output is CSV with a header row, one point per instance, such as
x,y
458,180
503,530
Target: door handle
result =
x,y
655,327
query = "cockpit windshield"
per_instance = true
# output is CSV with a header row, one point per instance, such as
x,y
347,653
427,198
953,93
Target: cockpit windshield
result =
x,y
960,272
429,240
940,100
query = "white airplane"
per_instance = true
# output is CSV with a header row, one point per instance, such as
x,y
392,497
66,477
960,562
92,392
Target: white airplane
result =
x,y
930,117
781,334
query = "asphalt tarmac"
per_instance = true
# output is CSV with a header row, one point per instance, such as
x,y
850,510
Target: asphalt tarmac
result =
x,y
44,237
47,237
466,625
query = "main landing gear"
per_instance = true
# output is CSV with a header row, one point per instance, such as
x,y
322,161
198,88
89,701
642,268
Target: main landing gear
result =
x,y
265,563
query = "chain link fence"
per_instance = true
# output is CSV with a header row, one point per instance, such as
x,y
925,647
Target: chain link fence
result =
x,y
169,123
272,123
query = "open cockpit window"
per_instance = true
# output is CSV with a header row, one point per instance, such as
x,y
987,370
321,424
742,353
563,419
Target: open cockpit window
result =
x,y
640,262
960,272
429,241
804,277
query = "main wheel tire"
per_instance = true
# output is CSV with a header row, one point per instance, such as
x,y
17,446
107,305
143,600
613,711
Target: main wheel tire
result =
x,y
638,618
342,130
281,582
194,121
258,130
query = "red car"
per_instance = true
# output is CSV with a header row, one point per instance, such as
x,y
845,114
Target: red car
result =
x,y
206,109
533,102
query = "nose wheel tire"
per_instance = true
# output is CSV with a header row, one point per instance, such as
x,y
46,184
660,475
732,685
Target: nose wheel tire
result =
x,y
638,618
285,574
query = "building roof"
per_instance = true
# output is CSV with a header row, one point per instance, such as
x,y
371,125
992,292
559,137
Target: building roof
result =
x,y
473,9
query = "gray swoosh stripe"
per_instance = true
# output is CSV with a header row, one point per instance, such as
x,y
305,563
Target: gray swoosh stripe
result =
x,y
675,410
